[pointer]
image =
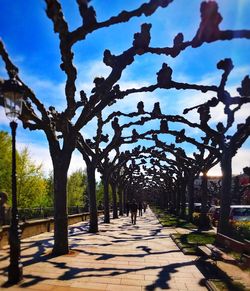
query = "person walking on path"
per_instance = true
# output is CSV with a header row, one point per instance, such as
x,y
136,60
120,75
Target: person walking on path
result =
x,y
133,210
140,208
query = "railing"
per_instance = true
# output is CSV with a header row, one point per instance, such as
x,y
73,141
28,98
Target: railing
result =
x,y
36,226
38,213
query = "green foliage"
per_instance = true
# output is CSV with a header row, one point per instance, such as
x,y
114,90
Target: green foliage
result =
x,y
196,218
228,285
202,238
240,230
32,187
31,183
203,222
5,162
50,189
169,220
77,184
99,194
191,240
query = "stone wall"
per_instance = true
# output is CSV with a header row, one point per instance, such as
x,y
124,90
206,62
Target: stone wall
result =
x,y
34,227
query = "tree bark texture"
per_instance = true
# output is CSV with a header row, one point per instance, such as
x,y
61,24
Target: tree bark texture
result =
x,y
115,212
120,200
178,200
93,223
106,199
61,165
204,222
190,198
183,200
226,191
124,200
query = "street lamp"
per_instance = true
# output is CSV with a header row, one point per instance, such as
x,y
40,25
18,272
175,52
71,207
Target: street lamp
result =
x,y
12,91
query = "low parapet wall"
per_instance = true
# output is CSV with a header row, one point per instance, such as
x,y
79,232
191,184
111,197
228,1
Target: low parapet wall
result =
x,y
242,247
35,227
230,243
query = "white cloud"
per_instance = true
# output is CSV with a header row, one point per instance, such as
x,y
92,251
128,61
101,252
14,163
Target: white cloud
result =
x,y
191,99
3,119
39,154
237,75
188,99
240,161
76,162
87,72
47,91
129,103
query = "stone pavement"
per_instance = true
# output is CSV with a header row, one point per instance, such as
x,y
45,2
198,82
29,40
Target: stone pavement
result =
x,y
121,256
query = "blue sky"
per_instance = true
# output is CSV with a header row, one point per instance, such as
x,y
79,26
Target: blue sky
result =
x,y
33,46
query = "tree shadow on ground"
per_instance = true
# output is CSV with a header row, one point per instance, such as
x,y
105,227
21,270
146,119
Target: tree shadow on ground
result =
x,y
165,275
70,273
77,234
107,256
41,253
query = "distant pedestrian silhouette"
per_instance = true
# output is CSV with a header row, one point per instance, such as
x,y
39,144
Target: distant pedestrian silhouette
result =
x,y
140,208
133,209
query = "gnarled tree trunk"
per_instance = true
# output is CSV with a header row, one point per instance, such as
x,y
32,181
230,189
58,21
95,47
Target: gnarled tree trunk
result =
x,y
120,200
183,199
226,191
115,213
190,187
93,223
61,165
178,200
105,182
204,222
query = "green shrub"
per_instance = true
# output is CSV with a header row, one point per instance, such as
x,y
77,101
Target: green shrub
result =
x,y
241,230
196,218
201,223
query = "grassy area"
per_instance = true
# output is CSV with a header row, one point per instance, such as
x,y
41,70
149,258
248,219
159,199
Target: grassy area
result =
x,y
189,242
185,241
170,220
224,286
234,255
196,238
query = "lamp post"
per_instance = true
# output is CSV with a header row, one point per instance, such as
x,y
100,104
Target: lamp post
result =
x,y
12,92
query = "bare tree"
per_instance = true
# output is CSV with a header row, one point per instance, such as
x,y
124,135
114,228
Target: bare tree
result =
x,y
61,130
222,137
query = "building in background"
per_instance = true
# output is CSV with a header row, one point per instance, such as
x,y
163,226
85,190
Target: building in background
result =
x,y
240,188
244,186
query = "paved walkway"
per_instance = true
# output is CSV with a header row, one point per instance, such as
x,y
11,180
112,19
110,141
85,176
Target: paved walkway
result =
x,y
120,257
